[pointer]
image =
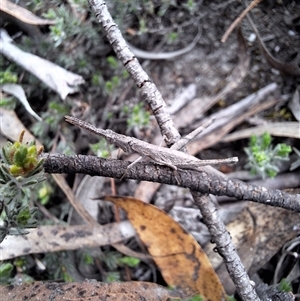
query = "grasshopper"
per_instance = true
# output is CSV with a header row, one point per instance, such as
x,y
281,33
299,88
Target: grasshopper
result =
x,y
161,155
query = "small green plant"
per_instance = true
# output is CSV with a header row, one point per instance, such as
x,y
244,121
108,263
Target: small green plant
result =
x,y
34,5
66,276
172,37
263,157
112,84
68,32
88,259
112,62
6,269
57,32
196,298
142,26
44,193
8,103
97,79
113,260
138,117
8,77
191,6
285,286
130,261
114,81
112,277
101,149
20,167
58,266
66,24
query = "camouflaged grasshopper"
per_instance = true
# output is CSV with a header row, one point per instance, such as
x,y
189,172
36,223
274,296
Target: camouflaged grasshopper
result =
x,y
161,155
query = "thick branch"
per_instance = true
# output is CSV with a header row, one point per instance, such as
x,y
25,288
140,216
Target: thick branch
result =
x,y
226,249
208,180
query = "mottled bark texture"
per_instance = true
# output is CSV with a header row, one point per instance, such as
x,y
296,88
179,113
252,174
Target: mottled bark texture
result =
x,y
225,247
201,181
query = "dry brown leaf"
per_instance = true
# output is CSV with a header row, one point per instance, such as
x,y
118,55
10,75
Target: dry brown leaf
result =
x,y
88,290
22,14
181,260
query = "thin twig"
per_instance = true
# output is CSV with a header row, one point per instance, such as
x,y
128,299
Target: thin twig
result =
x,y
147,88
148,55
239,19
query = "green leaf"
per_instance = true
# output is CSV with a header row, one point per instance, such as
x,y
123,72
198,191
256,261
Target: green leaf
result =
x,y
253,140
112,277
67,277
20,156
266,140
16,170
23,216
196,298
271,173
285,286
264,158
130,261
5,271
113,62
8,77
283,150
88,259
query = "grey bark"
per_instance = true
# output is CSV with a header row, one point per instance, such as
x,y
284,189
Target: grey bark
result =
x,y
225,247
208,180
